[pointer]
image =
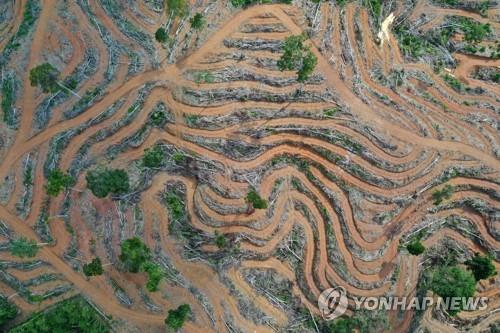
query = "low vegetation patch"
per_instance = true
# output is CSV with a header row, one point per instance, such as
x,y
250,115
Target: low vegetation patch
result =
x,y
255,200
69,316
442,194
105,181
23,247
8,310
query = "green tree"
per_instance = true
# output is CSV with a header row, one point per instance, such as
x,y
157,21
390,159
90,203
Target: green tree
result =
x,y
23,247
155,274
161,35
197,21
134,254
452,281
93,268
415,248
8,310
309,62
297,56
45,76
177,317
292,52
104,181
57,181
153,157
481,266
254,198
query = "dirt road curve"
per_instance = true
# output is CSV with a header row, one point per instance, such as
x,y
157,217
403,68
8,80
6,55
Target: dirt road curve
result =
x,y
348,161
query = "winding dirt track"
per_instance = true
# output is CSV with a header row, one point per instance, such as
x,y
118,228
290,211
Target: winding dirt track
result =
x,y
356,184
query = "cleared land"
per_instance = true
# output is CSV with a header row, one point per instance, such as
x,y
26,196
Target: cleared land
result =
x,y
253,191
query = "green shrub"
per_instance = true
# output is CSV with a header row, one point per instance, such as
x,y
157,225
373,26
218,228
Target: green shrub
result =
x,y
177,317
309,62
155,274
8,310
158,118
178,157
161,35
330,112
8,100
474,32
453,82
176,205
134,254
481,266
136,257
254,198
444,193
45,76
104,181
415,248
153,157
297,56
93,268
69,316
57,181
197,21
23,247
220,240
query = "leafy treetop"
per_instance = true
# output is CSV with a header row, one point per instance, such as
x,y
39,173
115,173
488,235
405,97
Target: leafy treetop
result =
x,y
93,268
452,281
104,181
153,157
45,76
415,248
177,317
57,181
136,257
134,254
481,266
161,35
297,56
197,22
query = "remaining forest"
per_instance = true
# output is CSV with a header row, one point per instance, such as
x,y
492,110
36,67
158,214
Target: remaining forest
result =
x,y
213,166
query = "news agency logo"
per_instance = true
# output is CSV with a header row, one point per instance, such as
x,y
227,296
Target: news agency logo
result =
x,y
333,303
